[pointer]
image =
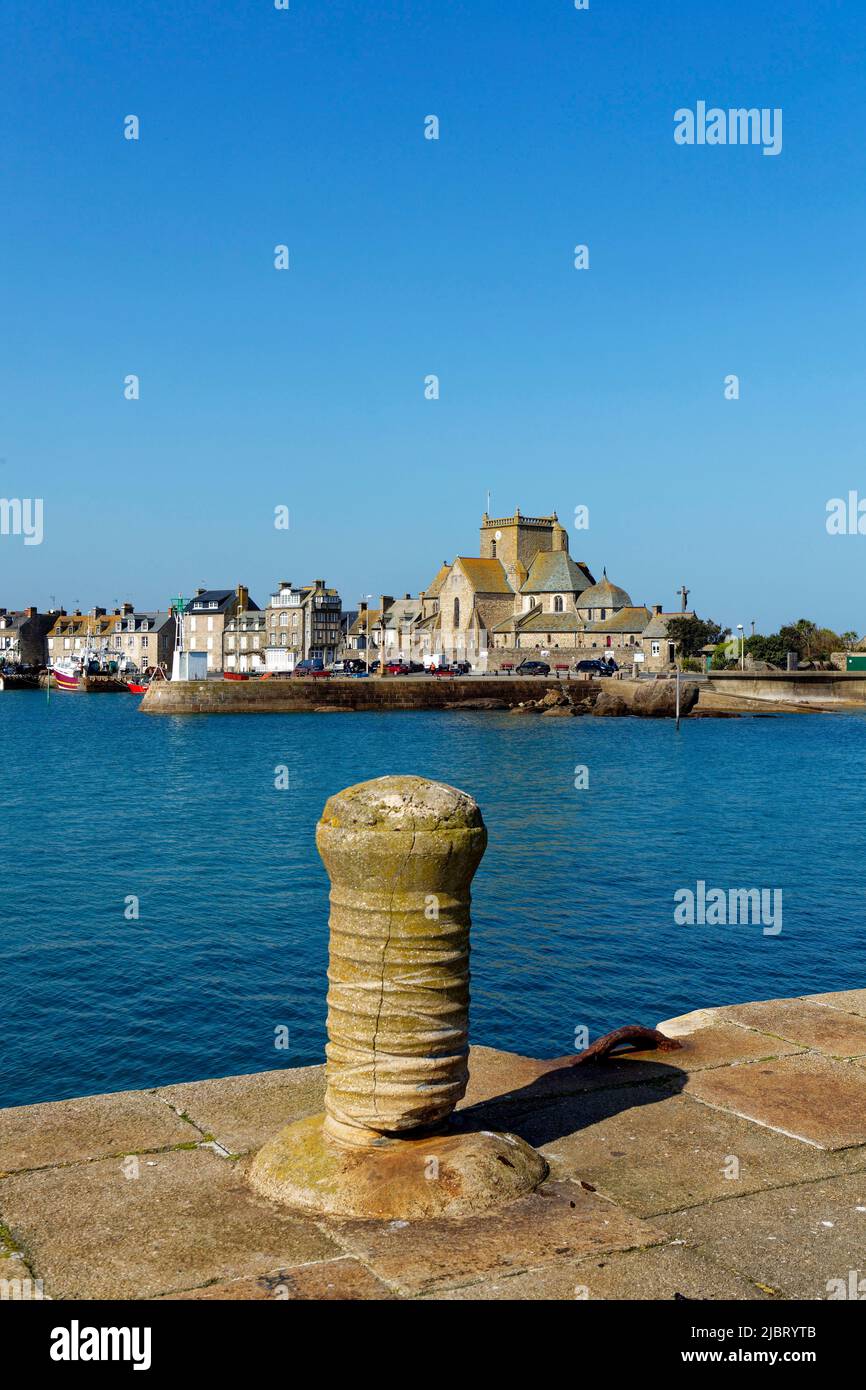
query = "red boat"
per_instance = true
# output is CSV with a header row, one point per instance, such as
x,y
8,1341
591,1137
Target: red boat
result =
x,y
235,675
142,685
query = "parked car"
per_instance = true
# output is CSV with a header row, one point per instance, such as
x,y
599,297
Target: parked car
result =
x,y
397,668
415,668
597,666
313,666
533,668
349,667
461,668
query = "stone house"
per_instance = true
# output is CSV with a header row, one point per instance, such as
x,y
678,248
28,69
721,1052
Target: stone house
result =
x,y
206,615
365,631
145,638
302,622
72,634
244,642
23,636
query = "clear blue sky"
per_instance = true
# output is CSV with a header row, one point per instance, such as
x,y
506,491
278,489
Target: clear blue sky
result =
x,y
410,257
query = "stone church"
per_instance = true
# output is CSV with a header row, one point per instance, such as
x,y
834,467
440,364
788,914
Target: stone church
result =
x,y
525,594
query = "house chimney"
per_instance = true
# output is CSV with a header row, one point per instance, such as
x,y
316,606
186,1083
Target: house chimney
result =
x,y
127,609
657,608
243,598
363,607
198,592
407,596
30,612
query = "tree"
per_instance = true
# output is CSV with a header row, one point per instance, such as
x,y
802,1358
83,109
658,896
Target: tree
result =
x,y
850,639
691,634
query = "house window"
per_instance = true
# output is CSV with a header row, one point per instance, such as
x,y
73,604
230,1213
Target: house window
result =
x,y
284,620
557,603
210,625
656,648
602,613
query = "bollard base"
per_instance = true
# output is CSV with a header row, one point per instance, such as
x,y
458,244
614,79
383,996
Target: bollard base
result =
x,y
450,1174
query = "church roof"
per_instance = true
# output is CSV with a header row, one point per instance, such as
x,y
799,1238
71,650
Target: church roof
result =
x,y
627,619
438,580
552,622
554,572
604,595
485,576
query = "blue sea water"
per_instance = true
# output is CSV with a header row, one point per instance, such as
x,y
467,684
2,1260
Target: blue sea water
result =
x,y
573,905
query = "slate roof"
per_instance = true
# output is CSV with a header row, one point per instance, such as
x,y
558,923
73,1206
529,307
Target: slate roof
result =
x,y
604,595
549,622
628,619
201,603
485,576
438,580
554,572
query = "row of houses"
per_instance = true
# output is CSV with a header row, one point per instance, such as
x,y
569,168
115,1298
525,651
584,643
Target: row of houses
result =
x,y
522,594
226,625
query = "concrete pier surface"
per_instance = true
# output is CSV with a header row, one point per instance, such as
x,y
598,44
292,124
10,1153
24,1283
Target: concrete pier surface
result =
x,y
734,1168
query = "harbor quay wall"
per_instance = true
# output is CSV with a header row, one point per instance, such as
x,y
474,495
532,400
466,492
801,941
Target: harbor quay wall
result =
x,y
819,688
392,692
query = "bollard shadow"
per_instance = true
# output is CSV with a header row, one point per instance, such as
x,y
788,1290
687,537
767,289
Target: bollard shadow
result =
x,y
568,1096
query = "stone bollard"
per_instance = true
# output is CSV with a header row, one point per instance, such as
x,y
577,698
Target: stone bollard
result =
x,y
400,853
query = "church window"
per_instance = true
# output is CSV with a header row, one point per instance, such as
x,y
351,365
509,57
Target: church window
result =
x,y
602,613
557,604
457,612
493,550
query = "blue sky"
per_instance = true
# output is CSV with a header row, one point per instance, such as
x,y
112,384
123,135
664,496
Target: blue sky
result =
x,y
305,388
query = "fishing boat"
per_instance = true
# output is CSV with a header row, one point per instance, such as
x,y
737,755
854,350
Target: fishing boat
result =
x,y
139,685
88,673
235,675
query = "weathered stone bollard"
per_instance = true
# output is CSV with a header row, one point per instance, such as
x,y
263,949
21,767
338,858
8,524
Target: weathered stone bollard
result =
x,y
400,853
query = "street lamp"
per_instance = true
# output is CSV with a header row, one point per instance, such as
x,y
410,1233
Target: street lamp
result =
x,y
742,646
364,599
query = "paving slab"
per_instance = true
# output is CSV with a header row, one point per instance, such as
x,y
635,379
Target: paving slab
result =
x,y
852,1001
808,1097
794,1240
658,1272
718,1044
337,1280
68,1131
241,1112
653,1152
560,1219
189,1217
826,1030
